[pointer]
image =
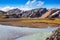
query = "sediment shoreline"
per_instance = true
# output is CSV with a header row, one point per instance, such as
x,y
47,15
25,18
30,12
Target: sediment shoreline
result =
x,y
20,22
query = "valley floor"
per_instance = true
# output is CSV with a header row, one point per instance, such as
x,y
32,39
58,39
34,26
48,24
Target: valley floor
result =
x,y
30,22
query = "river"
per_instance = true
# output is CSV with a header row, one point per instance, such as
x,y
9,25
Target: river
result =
x,y
24,33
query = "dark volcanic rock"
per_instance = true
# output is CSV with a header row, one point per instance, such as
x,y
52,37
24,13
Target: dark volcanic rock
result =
x,y
55,14
55,35
38,12
34,13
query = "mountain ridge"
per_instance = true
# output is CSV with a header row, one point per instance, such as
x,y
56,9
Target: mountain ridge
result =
x,y
34,13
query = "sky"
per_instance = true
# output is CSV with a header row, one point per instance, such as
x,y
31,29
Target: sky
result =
x,y
28,4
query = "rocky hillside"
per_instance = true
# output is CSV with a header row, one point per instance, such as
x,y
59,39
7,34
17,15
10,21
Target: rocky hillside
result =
x,y
55,35
34,13
2,12
14,11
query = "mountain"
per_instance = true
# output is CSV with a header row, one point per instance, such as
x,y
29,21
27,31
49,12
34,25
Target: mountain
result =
x,y
38,12
34,12
2,12
14,11
55,14
47,14
41,13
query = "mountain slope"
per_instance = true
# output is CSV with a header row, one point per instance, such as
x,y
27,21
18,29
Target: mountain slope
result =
x,y
49,12
41,13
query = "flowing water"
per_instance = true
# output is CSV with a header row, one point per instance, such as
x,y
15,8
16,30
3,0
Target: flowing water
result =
x,y
23,33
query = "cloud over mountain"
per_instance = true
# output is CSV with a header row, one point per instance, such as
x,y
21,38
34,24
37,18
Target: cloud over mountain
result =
x,y
28,5
6,8
34,3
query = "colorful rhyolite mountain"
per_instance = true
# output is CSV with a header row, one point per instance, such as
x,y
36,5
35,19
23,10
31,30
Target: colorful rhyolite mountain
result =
x,y
34,13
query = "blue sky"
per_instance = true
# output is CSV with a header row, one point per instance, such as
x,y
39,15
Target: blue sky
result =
x,y
30,3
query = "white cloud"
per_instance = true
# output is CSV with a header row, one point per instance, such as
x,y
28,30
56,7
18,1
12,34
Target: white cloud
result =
x,y
34,3
6,8
40,3
28,2
25,8
28,5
